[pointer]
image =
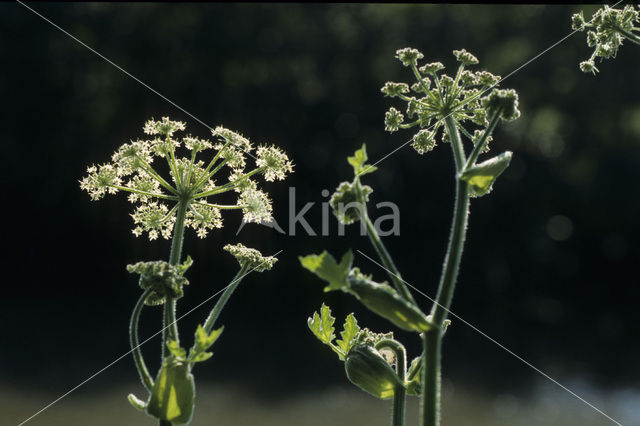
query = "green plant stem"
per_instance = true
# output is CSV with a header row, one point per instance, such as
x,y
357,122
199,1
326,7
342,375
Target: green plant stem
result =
x,y
381,250
399,393
433,339
170,328
479,146
386,260
629,36
215,312
431,385
134,341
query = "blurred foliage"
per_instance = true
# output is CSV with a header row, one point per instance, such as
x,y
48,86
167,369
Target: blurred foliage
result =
x,y
550,266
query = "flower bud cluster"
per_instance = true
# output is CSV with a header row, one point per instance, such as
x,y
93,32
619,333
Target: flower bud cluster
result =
x,y
251,258
606,30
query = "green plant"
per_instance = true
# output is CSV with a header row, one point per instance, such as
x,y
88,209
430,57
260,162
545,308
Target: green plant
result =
x,y
438,105
606,30
165,207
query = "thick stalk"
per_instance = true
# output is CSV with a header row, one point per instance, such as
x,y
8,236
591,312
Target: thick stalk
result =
x,y
431,378
399,404
170,328
215,312
433,338
134,341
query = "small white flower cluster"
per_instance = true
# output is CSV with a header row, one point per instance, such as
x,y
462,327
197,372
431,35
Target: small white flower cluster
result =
x,y
154,218
191,181
256,206
276,163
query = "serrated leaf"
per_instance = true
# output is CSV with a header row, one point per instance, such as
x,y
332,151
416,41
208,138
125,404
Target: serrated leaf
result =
x,y
322,325
358,162
176,350
202,356
325,266
185,265
351,330
137,403
482,176
203,341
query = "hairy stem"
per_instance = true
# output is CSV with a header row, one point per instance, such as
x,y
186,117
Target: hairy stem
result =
x,y
215,312
381,250
479,146
433,338
399,393
629,36
431,378
134,341
387,260
170,328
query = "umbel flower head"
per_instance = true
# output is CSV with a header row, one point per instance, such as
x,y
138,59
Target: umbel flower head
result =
x,y
606,30
190,181
434,96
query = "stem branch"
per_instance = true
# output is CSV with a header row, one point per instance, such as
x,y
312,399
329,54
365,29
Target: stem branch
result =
x,y
134,341
215,312
399,393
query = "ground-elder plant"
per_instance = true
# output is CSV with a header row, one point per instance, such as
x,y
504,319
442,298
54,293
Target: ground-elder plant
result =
x,y
164,207
606,31
462,111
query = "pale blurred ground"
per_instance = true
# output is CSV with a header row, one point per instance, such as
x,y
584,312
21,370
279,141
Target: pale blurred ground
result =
x,y
339,406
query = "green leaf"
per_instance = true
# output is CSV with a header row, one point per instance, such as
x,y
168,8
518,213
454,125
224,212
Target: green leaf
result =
x,y
351,330
202,342
358,162
205,340
176,350
481,176
182,268
137,402
322,325
202,356
325,266
173,393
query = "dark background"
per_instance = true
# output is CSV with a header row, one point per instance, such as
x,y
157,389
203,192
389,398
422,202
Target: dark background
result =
x,y
307,78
